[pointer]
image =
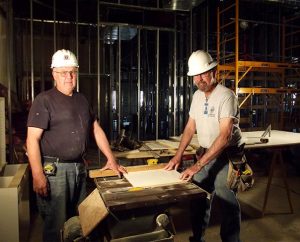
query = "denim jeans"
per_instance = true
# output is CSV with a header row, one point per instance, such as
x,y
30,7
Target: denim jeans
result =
x,y
67,190
212,178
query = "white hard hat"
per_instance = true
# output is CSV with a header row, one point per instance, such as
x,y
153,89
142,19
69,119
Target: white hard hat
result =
x,y
64,58
200,62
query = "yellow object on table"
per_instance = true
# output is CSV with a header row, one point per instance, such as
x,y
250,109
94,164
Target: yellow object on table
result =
x,y
152,161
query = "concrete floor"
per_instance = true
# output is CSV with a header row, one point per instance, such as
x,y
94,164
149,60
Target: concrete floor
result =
x,y
278,224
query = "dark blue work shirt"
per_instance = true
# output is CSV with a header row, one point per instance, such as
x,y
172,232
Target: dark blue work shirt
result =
x,y
66,121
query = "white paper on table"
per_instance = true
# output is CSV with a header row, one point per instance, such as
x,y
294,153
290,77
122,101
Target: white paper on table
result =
x,y
153,178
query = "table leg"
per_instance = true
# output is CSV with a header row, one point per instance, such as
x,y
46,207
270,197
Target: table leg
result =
x,y
277,156
283,170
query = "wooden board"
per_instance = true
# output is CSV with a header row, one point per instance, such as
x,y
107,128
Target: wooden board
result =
x,y
153,145
172,144
152,178
106,173
140,154
91,212
162,144
194,141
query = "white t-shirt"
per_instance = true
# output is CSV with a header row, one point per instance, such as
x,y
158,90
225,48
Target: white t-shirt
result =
x,y
222,103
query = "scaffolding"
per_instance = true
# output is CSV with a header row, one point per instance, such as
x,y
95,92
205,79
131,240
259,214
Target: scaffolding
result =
x,y
267,85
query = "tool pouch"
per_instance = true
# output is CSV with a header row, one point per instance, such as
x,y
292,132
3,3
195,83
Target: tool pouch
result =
x,y
240,175
49,168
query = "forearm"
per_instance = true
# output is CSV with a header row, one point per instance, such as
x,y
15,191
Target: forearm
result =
x,y
34,156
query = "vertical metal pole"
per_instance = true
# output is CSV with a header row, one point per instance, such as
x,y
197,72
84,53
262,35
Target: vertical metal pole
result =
x,y
207,27
218,36
54,25
191,30
175,79
42,57
283,44
119,79
190,79
89,51
157,80
139,83
77,47
10,73
236,45
98,69
218,45
157,84
31,51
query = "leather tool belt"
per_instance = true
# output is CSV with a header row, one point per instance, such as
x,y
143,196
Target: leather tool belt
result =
x,y
240,175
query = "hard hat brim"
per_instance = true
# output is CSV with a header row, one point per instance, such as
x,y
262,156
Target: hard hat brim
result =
x,y
198,72
57,66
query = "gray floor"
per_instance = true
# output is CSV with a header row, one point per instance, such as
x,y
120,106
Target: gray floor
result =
x,y
278,224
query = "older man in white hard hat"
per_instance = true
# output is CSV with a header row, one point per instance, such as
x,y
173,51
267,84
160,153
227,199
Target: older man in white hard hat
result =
x,y
214,114
59,124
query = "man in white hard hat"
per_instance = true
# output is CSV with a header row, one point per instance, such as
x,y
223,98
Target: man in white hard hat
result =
x,y
59,124
214,114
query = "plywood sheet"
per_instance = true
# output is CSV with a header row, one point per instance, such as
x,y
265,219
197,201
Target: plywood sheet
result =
x,y
152,178
153,145
278,138
252,138
171,144
91,212
194,141
106,173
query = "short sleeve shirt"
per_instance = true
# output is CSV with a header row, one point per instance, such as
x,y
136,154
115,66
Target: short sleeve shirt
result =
x,y
66,121
222,103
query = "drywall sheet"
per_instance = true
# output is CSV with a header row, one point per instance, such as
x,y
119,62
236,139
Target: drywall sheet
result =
x,y
153,178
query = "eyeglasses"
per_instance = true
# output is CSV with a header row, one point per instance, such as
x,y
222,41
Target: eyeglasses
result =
x,y
205,74
65,73
202,76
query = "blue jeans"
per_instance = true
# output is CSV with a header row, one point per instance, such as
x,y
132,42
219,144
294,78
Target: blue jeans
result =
x,y
67,191
212,178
